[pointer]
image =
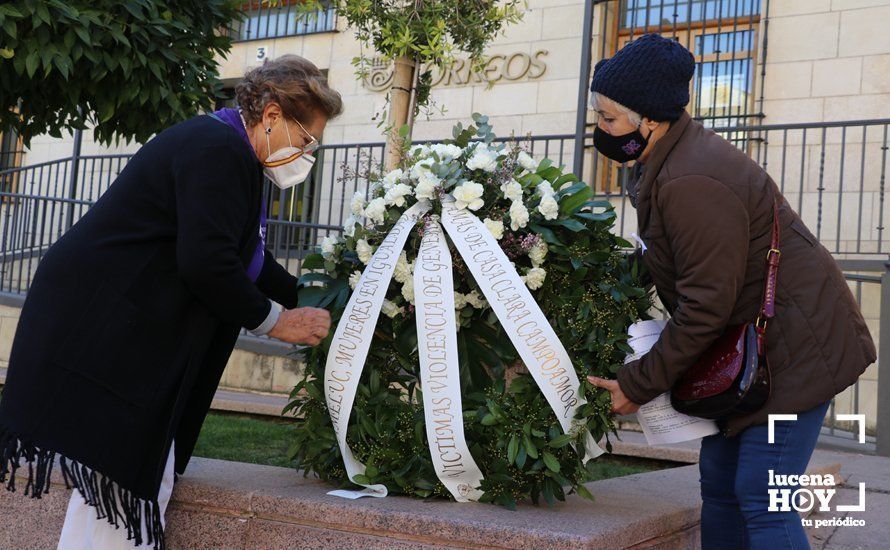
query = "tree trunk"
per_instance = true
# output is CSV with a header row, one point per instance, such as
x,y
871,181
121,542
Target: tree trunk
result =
x,y
399,109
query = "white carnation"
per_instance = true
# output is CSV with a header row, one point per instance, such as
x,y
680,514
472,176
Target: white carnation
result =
x,y
534,278
376,210
408,290
496,227
544,189
349,226
446,152
537,253
421,168
403,269
427,182
483,159
425,190
357,206
329,246
549,207
512,190
390,309
469,195
526,161
460,301
396,194
518,215
364,251
391,178
419,150
353,279
475,300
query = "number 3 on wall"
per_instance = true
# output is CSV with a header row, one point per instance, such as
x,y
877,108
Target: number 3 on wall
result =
x,y
261,53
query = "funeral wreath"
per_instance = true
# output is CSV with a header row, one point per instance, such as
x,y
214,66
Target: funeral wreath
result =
x,y
444,377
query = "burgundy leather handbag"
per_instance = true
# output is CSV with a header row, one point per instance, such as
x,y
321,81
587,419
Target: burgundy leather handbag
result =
x,y
732,375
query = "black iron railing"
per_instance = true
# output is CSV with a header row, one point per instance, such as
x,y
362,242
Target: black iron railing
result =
x,y
833,173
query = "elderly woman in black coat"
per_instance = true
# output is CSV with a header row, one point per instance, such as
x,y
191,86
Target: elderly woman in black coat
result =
x,y
134,312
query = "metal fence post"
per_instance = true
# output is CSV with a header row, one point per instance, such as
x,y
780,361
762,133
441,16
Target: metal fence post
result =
x,y
75,172
584,82
883,420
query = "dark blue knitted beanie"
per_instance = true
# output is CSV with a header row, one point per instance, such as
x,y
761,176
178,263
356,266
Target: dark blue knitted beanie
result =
x,y
649,76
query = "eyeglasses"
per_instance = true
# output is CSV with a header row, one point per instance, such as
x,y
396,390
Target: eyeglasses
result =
x,y
313,144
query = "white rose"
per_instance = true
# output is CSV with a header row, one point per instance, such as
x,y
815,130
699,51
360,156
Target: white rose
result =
x,y
544,188
403,269
526,161
534,278
496,227
548,207
469,195
483,159
460,301
518,215
408,290
376,210
353,279
390,309
512,190
396,194
364,251
475,300
329,246
537,253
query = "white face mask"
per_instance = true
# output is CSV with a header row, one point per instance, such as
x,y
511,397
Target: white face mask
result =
x,y
288,166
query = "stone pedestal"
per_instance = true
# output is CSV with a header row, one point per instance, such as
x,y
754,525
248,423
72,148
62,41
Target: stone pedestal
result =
x,y
219,504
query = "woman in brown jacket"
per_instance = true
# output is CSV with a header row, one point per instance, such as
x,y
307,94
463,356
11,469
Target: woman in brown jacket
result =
x,y
705,213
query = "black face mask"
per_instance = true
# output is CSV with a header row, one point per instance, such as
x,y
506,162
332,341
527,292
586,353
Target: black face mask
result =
x,y
620,148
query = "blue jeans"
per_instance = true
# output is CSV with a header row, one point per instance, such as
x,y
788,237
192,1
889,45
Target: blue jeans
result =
x,y
734,482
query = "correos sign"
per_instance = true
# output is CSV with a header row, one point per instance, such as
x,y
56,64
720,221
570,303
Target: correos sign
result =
x,y
497,68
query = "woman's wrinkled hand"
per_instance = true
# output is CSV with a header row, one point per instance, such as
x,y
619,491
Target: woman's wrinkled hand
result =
x,y
303,325
620,403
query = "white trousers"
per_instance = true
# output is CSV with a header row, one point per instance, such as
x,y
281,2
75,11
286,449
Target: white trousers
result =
x,y
82,531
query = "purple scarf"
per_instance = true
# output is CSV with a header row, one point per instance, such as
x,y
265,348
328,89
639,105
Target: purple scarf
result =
x,y
233,119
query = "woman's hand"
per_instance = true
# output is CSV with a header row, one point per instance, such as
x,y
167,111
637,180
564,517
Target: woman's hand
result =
x,y
620,403
302,325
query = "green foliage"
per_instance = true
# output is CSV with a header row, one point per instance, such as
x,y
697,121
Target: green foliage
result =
x,y
133,67
590,296
428,31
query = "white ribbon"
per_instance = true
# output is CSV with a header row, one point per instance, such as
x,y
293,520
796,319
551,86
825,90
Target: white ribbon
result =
x,y
352,339
524,322
439,370
534,339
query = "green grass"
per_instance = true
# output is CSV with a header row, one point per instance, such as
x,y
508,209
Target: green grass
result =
x,y
265,441
245,439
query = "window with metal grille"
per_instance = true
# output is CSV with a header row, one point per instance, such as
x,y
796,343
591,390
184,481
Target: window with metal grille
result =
x,y
722,36
262,21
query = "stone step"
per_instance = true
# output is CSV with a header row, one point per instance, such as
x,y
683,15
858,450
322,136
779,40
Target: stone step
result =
x,y
219,504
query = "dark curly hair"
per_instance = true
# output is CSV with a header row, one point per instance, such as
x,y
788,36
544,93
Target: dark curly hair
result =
x,y
293,82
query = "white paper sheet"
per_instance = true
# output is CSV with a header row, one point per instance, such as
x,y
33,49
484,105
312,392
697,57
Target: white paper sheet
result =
x,y
661,423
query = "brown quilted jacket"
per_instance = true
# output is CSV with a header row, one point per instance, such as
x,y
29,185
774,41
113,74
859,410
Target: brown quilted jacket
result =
x,y
705,213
